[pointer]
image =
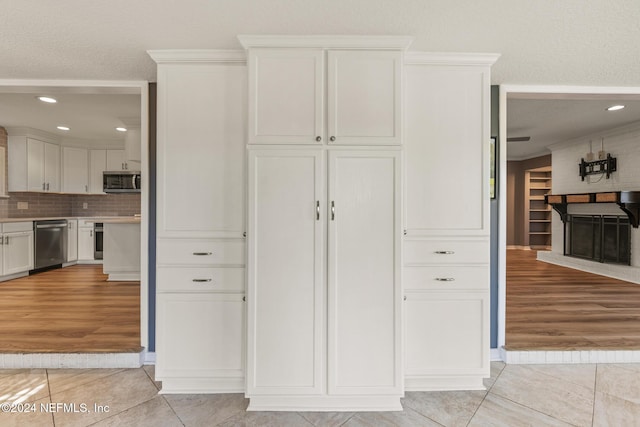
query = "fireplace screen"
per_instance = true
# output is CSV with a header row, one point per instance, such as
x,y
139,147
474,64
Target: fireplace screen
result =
x,y
599,238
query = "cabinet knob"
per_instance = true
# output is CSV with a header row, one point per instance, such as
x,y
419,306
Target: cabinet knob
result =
x,y
333,138
318,138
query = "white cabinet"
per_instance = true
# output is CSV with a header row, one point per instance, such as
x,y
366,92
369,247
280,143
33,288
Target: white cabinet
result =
x,y
446,336
97,165
43,166
72,240
115,160
86,241
287,91
201,150
3,172
200,342
34,165
132,146
75,170
200,338
446,205
16,247
292,286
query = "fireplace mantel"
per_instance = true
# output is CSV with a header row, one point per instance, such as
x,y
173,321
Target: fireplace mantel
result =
x,y
628,201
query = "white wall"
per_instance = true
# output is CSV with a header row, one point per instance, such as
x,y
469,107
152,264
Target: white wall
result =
x,y
624,144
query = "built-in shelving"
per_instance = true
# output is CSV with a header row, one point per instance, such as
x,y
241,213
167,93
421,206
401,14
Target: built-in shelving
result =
x,y
538,221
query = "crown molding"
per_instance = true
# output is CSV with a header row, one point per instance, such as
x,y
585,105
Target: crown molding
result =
x,y
326,42
444,58
174,56
33,133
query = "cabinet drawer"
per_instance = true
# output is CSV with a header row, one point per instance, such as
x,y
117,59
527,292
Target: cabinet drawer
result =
x,y
200,279
446,277
445,251
200,252
11,227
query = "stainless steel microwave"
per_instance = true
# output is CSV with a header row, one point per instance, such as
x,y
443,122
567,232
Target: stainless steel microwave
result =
x,y
121,182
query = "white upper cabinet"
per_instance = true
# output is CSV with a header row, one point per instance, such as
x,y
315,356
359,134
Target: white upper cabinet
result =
x,y
288,88
201,150
447,148
97,165
34,165
115,160
364,97
75,170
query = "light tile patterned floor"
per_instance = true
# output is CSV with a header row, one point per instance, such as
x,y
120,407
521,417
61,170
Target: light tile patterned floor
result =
x,y
517,395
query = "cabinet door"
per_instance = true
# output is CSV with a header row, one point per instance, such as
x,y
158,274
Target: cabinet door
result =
x,y
18,252
85,243
201,151
72,240
200,336
364,97
35,165
446,334
115,160
97,165
286,90
446,146
364,300
52,166
285,278
75,170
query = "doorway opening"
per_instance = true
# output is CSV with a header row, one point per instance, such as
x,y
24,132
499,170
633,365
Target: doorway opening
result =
x,y
543,306
85,282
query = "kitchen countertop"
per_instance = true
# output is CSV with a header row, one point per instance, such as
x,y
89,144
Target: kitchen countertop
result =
x,y
114,219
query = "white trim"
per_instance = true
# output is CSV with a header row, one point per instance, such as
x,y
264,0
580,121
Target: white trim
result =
x,y
497,355
505,90
324,403
149,357
326,42
441,58
633,127
444,383
571,357
70,360
170,56
121,87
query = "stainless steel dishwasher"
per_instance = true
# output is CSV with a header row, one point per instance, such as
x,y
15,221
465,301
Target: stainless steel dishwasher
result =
x,y
50,243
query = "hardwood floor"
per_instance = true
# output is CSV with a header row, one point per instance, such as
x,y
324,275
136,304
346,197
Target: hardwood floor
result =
x,y
556,308
69,310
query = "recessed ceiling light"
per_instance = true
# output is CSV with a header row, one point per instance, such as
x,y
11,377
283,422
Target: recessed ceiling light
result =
x,y
63,128
121,129
47,99
615,107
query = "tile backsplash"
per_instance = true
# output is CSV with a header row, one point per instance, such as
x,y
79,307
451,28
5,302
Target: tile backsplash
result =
x,y
45,205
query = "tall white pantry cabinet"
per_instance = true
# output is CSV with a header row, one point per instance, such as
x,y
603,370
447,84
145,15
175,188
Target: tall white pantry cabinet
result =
x,y
287,176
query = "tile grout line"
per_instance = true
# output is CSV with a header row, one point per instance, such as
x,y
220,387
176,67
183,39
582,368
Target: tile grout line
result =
x,y
595,385
53,419
532,409
164,397
486,394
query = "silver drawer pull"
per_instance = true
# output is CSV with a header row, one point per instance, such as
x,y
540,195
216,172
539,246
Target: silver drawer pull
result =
x,y
445,279
445,252
201,280
202,253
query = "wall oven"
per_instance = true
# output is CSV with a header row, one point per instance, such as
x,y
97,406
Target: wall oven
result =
x,y
98,233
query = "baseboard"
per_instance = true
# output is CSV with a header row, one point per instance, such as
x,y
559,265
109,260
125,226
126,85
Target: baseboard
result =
x,y
542,357
496,355
69,360
149,358
13,276
519,247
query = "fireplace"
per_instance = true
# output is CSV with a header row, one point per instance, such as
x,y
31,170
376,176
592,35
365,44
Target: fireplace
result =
x,y
601,238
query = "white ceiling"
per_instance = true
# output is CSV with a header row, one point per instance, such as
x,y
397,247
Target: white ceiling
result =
x,y
568,42
91,118
552,118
